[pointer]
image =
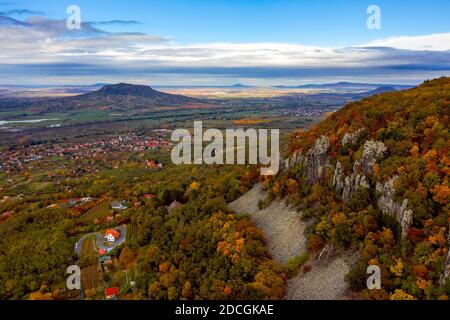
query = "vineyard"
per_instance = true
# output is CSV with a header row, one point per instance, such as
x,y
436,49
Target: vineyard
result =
x,y
131,239
91,277
89,251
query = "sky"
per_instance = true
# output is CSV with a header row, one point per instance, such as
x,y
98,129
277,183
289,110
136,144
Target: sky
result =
x,y
223,42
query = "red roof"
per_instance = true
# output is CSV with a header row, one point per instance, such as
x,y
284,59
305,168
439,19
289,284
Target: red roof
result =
x,y
110,292
114,233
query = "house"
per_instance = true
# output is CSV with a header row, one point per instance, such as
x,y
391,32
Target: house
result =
x,y
112,235
174,205
154,164
86,199
111,293
105,260
118,205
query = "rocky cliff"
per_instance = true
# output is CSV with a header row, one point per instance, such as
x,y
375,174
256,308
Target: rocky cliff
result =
x,y
446,272
316,163
389,206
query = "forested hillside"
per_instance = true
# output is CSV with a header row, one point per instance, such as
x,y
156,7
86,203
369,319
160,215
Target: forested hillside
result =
x,y
374,177
195,250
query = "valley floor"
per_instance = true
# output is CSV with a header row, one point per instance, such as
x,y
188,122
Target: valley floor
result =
x,y
284,233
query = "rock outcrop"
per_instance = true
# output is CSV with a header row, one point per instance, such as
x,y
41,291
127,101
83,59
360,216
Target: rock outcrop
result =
x,y
446,273
362,169
353,183
295,159
389,206
352,138
348,185
373,151
338,177
317,162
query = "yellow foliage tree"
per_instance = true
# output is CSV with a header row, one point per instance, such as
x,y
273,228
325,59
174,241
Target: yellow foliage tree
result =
x,y
194,186
399,294
40,296
397,268
441,194
423,284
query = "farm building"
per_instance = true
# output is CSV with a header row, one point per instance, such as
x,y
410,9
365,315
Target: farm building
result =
x,y
118,205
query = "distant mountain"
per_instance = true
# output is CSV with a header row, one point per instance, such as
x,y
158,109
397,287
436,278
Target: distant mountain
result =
x,y
239,85
381,90
347,86
125,89
112,97
137,94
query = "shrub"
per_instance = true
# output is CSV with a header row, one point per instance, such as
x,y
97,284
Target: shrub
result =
x,y
294,265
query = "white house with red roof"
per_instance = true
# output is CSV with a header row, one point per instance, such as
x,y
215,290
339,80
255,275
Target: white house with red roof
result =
x,y
112,235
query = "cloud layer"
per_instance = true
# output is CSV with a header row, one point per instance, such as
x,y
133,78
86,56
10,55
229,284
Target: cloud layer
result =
x,y
45,50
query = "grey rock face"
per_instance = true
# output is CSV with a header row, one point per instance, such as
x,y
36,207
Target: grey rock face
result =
x,y
352,138
350,184
446,273
338,178
353,183
295,159
316,164
373,151
386,203
316,161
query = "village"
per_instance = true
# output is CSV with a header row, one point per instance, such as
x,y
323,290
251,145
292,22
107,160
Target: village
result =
x,y
16,158
302,111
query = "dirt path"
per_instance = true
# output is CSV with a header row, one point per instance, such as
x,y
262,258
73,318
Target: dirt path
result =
x,y
284,233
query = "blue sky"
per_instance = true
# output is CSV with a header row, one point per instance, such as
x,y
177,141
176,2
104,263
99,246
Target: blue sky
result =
x,y
224,41
326,22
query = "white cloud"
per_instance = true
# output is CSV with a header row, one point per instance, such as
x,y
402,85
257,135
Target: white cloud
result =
x,y
44,41
431,42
